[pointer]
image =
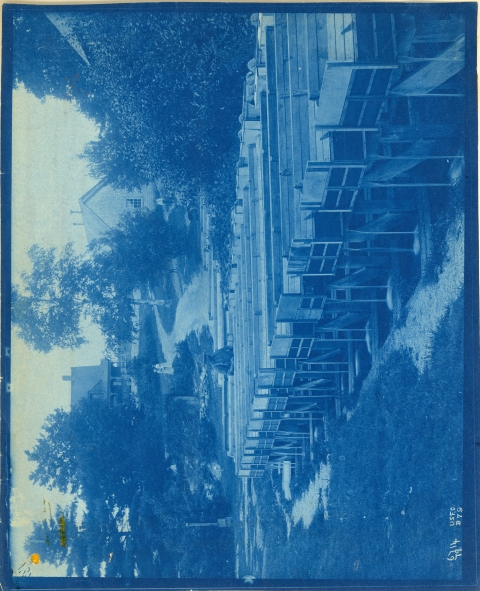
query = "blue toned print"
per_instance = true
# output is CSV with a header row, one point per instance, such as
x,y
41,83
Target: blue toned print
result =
x,y
243,303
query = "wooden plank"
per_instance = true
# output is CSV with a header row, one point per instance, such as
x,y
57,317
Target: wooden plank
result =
x,y
300,139
399,133
381,224
342,128
445,65
293,51
349,36
304,133
311,131
325,166
312,58
356,279
273,161
341,306
284,133
378,184
322,45
309,385
339,38
358,262
385,205
295,81
345,321
371,65
267,217
301,35
438,31
332,49
297,67
325,356
335,86
386,170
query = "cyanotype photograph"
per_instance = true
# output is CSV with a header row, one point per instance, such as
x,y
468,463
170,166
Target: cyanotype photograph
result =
x,y
239,295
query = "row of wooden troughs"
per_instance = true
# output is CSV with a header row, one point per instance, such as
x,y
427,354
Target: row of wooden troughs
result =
x,y
349,129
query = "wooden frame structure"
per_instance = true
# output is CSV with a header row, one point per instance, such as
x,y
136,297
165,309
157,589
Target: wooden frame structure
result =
x,y
338,158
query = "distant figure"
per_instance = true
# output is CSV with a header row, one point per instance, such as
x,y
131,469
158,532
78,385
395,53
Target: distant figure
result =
x,y
163,368
222,360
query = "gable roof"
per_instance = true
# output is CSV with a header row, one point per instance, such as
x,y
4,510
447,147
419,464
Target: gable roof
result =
x,y
94,225
86,378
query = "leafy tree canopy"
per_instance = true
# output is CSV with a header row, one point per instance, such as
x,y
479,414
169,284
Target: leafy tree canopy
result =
x,y
166,87
97,450
113,458
63,287
48,308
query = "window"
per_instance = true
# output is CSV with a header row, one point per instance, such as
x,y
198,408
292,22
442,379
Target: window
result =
x,y
133,203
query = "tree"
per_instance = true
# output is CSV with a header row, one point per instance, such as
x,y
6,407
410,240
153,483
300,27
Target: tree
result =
x,y
56,535
63,287
110,457
82,541
113,459
48,308
165,86
96,450
42,59
139,249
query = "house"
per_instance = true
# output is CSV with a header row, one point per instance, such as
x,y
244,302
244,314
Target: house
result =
x,y
103,206
106,381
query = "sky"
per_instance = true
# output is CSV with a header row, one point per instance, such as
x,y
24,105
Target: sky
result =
x,y
48,178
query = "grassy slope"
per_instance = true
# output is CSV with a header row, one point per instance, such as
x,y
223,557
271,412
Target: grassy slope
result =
x,y
396,465
396,470
406,433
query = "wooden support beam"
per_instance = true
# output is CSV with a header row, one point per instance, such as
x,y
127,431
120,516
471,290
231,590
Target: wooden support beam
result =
x,y
312,385
313,166
341,128
370,65
379,225
344,322
385,206
356,279
289,389
340,306
366,97
322,329
447,63
439,94
319,361
347,339
374,249
372,184
379,157
358,262
325,356
304,399
400,133
438,30
391,167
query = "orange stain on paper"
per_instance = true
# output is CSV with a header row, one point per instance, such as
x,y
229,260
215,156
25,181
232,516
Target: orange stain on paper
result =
x,y
35,558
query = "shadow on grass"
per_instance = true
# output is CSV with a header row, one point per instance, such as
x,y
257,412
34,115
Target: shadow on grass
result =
x,y
396,468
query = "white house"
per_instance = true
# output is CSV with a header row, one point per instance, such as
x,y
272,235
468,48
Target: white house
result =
x,y
103,206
